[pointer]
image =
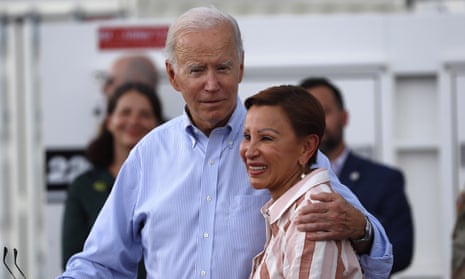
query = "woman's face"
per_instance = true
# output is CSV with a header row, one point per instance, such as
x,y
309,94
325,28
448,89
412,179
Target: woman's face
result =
x,y
132,118
271,151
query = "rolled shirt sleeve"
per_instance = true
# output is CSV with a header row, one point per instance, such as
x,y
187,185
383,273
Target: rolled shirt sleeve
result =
x,y
378,263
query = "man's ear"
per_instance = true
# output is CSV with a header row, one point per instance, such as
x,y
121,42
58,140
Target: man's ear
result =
x,y
241,74
170,71
345,117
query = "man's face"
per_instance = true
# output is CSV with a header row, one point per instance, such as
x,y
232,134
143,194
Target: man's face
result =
x,y
336,118
207,73
114,78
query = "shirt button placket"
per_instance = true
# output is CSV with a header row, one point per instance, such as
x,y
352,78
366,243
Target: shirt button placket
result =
x,y
209,184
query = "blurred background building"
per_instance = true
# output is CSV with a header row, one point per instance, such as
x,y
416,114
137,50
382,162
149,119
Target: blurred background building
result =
x,y
62,10
400,63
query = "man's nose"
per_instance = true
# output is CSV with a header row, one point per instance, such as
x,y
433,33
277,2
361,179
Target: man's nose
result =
x,y
212,83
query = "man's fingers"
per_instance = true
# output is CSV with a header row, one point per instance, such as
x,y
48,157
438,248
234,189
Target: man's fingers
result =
x,y
317,232
312,227
313,208
323,196
332,218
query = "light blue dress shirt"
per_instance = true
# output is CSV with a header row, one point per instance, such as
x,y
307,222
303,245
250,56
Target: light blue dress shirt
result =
x,y
183,201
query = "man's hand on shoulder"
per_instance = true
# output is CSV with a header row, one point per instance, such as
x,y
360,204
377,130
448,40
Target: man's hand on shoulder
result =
x,y
331,217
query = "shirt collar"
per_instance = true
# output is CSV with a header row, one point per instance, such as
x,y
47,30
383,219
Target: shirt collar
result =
x,y
275,209
337,164
233,127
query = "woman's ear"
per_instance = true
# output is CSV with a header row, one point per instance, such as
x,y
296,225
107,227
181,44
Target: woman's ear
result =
x,y
106,123
309,147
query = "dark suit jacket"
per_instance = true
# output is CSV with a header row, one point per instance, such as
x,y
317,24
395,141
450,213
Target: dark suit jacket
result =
x,y
381,191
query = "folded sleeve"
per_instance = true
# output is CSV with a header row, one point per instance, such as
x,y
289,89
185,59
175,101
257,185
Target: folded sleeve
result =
x,y
378,263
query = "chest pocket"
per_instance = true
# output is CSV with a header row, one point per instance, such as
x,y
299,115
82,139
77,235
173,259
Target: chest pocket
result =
x,y
247,229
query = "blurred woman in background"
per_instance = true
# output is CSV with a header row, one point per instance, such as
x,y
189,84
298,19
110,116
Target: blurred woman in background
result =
x,y
132,111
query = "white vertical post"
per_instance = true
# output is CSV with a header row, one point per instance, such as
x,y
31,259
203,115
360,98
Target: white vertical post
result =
x,y
11,179
34,155
388,153
4,211
448,156
24,178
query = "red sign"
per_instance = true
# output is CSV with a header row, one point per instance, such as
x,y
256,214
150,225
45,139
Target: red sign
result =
x,y
132,37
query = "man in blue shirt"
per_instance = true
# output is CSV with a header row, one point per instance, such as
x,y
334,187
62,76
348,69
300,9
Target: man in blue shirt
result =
x,y
182,198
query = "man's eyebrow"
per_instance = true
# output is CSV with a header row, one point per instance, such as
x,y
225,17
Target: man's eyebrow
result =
x,y
194,64
228,63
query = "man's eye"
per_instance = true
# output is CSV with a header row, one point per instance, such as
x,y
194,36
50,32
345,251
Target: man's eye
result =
x,y
196,70
223,68
267,138
246,136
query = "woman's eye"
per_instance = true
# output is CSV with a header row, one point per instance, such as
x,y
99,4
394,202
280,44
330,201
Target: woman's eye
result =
x,y
147,114
123,112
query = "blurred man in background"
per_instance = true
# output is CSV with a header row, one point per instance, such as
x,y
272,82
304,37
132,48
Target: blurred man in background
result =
x,y
380,188
130,68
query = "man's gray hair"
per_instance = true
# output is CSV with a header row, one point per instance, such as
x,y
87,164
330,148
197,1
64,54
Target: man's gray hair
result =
x,y
197,19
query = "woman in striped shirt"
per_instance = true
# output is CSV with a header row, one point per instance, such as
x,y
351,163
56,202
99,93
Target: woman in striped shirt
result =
x,y
282,132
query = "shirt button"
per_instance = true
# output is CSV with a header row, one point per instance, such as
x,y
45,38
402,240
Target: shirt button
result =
x,y
203,273
211,162
209,198
205,235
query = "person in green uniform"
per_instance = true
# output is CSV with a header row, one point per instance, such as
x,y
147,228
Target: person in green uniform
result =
x,y
458,240
132,111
